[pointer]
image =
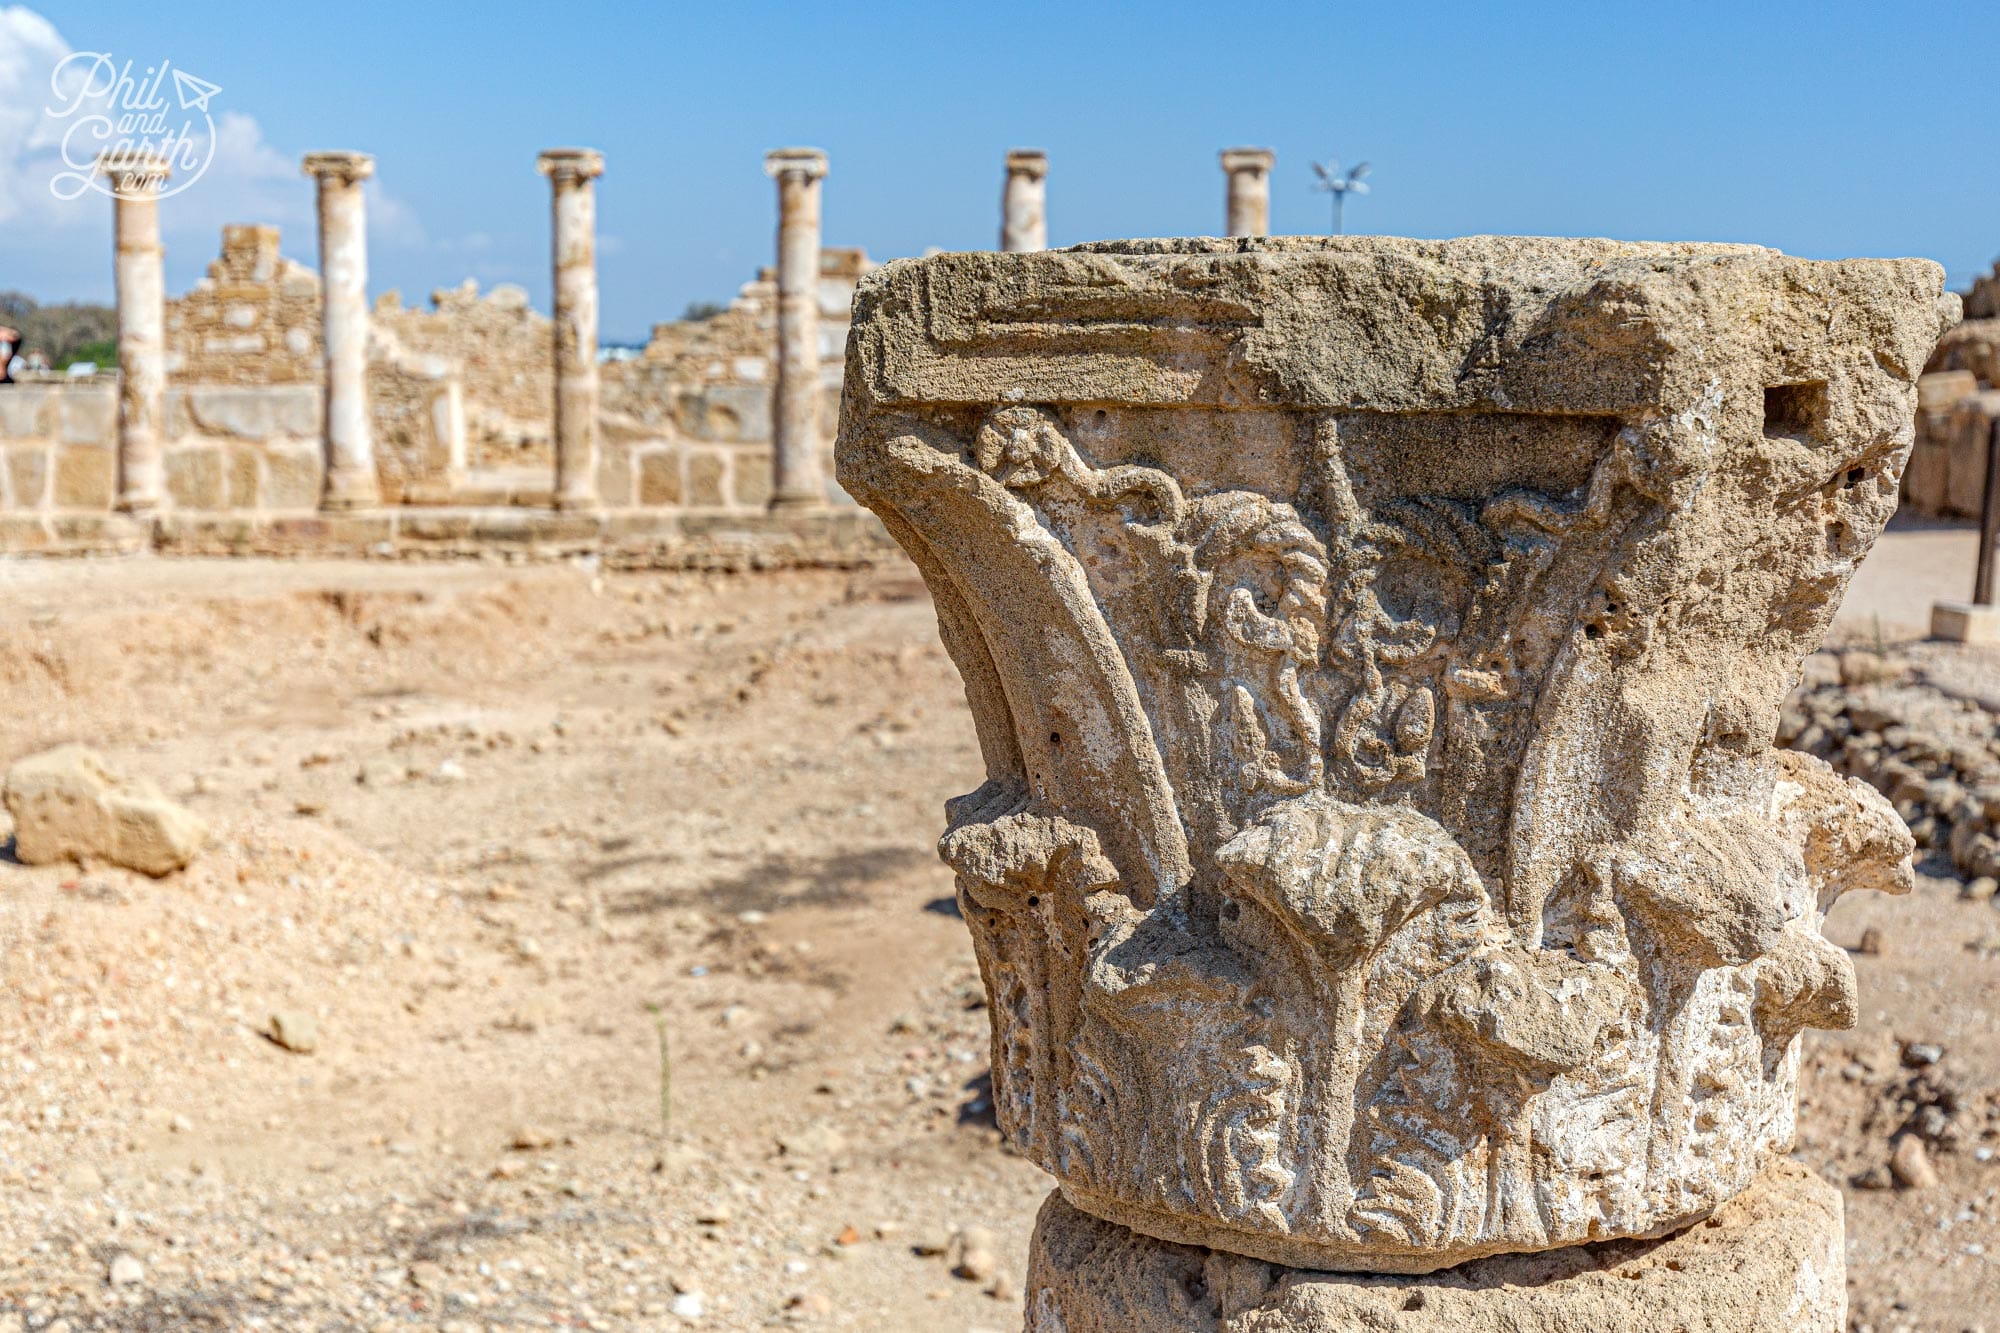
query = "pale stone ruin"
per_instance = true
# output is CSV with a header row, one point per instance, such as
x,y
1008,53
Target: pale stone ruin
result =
x,y
1384,866
272,408
797,479
571,172
1958,406
1247,203
68,805
349,479
1024,211
141,287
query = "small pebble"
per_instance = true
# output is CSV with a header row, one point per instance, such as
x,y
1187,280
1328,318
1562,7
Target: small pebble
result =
x,y
1910,1163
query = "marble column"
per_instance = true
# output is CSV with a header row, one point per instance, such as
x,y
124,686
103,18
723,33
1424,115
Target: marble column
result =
x,y
1249,173
1024,221
571,173
142,353
350,481
797,481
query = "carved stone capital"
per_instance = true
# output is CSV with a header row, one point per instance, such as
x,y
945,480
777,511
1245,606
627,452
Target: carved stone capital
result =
x,y
809,163
1376,647
343,168
1259,160
1030,162
569,166
131,173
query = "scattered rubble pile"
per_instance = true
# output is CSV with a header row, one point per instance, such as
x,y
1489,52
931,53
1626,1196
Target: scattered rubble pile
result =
x,y
1923,736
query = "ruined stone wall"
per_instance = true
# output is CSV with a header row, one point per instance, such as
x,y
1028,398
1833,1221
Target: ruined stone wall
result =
x,y
460,394
253,320
229,446
1959,403
499,348
688,422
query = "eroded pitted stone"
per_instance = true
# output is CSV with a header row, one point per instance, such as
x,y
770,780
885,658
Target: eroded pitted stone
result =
x,y
1376,647
1771,1260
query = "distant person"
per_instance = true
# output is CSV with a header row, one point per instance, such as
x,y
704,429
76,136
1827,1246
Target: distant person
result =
x,y
9,340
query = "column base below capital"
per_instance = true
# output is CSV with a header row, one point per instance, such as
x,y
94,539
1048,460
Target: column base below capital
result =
x,y
1772,1260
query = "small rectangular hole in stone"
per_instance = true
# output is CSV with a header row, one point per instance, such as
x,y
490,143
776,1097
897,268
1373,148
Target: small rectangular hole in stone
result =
x,y
1794,411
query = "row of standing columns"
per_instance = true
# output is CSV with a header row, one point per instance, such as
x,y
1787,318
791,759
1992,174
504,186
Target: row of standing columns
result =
x,y
349,475
798,479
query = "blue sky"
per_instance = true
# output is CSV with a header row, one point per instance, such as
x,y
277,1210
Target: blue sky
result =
x,y
1826,130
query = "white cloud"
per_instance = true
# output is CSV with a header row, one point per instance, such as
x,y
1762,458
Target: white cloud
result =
x,y
30,50
230,173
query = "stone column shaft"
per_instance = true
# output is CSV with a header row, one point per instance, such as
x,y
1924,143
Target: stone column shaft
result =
x,y
1249,206
797,480
142,353
1024,221
350,481
571,172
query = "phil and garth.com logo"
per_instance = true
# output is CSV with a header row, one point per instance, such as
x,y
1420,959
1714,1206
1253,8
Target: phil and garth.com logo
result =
x,y
112,111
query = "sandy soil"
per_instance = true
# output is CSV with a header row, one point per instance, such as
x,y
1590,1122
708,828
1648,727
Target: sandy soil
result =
x,y
509,833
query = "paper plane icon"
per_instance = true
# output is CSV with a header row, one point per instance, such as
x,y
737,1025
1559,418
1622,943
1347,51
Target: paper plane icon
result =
x,y
194,93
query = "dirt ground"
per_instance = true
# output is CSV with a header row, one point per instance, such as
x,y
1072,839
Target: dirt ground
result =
x,y
641,1003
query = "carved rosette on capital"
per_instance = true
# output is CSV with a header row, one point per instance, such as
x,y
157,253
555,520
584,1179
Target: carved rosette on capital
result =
x,y
1376,647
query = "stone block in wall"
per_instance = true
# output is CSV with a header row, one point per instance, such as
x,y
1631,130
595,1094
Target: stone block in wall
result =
x,y
622,428
727,412
450,526
750,478
1924,479
254,412
1969,431
660,477
833,344
243,472
104,532
707,476
195,477
27,411
292,476
448,426
1939,390
23,532
85,476
88,414
615,464
28,476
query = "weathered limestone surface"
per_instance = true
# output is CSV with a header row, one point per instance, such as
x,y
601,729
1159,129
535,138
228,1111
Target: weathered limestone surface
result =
x,y
1376,647
1770,1259
67,805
